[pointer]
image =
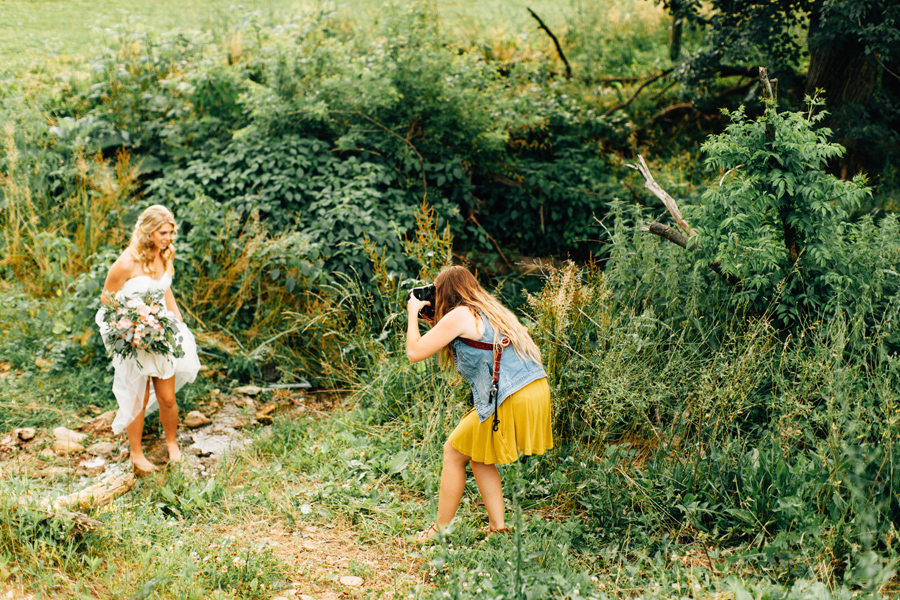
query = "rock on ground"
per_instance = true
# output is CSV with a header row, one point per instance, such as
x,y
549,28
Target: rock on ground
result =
x,y
248,390
351,580
102,448
65,447
195,419
63,434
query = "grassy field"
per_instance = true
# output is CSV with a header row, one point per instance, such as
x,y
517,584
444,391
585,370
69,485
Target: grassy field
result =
x,y
37,29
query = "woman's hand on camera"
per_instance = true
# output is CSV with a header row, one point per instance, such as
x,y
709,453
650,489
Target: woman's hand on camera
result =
x,y
414,305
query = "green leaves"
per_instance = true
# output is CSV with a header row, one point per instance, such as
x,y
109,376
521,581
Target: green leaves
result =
x,y
778,222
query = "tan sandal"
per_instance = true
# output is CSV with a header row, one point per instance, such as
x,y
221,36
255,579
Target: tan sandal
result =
x,y
428,536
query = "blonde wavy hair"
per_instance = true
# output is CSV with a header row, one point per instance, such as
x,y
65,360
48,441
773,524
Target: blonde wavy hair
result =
x,y
142,246
455,286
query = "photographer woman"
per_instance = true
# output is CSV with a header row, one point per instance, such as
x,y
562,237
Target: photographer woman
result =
x,y
469,323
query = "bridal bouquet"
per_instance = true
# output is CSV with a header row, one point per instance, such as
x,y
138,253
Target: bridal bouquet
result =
x,y
141,322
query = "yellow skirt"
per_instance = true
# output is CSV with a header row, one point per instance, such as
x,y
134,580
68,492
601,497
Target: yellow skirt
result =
x,y
524,427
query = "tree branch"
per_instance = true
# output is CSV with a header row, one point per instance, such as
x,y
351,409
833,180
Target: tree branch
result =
x,y
660,193
670,233
559,49
683,106
99,494
637,91
769,94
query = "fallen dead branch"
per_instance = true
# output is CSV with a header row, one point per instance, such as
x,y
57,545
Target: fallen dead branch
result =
x,y
660,193
99,494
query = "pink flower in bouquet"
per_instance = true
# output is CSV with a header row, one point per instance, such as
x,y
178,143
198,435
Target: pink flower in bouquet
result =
x,y
133,303
143,310
154,309
121,311
124,323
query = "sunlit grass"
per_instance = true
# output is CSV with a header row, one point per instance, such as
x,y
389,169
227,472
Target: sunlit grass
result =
x,y
61,29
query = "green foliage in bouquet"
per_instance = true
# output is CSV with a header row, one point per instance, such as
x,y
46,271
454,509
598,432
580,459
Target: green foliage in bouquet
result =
x,y
140,323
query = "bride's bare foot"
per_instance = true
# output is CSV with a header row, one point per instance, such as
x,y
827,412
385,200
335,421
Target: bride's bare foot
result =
x,y
142,466
174,454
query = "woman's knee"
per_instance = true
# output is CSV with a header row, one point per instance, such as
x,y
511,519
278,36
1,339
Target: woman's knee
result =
x,y
166,401
452,454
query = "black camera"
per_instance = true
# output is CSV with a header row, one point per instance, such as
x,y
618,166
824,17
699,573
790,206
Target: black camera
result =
x,y
426,293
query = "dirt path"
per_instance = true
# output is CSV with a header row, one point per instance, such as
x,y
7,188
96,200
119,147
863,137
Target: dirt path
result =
x,y
325,560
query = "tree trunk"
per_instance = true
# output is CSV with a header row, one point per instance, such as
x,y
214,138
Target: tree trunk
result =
x,y
840,67
675,37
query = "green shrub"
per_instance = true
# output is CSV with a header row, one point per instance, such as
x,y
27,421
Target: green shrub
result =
x,y
782,227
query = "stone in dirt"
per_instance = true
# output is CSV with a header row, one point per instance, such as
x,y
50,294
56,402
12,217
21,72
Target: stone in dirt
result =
x,y
216,445
65,447
351,580
248,390
52,472
97,461
266,409
230,416
195,418
93,467
101,448
63,434
26,433
101,424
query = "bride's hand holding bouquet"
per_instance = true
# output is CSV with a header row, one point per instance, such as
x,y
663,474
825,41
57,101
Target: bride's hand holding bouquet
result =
x,y
140,322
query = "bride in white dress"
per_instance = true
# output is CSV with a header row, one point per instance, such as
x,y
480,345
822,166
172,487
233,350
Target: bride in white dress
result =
x,y
148,264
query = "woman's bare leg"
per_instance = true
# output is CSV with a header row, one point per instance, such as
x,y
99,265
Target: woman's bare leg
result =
x,y
134,431
453,484
168,414
491,487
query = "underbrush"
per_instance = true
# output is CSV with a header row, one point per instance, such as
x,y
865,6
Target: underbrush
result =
x,y
749,464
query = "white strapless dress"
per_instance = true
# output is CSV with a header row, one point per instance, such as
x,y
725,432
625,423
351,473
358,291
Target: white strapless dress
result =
x,y
130,381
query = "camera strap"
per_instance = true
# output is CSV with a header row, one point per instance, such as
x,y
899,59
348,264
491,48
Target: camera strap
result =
x,y
497,349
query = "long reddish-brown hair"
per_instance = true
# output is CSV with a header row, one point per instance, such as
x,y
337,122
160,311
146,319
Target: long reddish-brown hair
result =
x,y
455,286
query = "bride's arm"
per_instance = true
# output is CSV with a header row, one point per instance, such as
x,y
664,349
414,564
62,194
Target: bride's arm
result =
x,y
172,305
119,273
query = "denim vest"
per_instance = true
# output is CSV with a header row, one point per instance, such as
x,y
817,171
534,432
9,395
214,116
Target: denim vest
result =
x,y
476,367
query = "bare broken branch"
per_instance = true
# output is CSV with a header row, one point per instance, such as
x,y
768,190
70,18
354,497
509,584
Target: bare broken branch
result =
x,y
99,494
768,92
729,172
669,233
660,193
